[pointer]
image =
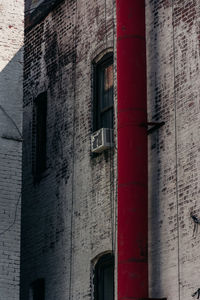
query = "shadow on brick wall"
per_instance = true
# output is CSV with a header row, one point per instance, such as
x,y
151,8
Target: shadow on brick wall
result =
x,y
11,102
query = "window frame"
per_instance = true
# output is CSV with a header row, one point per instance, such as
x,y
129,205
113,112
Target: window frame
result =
x,y
98,83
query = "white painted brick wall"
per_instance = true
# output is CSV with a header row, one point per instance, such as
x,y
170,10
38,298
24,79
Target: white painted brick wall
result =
x,y
173,96
75,185
11,96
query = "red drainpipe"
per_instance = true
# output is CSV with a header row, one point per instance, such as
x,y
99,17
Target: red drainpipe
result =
x,y
132,151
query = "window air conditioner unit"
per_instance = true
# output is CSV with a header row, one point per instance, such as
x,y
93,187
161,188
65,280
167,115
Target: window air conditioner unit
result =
x,y
102,139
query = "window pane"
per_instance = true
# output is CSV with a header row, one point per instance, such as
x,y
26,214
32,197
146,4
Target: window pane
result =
x,y
107,119
108,77
107,93
107,99
108,283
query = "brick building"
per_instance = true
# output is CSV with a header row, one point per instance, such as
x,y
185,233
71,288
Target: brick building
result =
x,y
11,102
84,214
173,97
69,194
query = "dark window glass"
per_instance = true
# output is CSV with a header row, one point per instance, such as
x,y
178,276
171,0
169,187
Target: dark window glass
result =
x,y
104,278
37,290
40,133
103,102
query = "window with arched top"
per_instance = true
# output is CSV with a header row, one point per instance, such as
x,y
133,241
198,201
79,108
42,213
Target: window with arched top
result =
x,y
103,92
104,278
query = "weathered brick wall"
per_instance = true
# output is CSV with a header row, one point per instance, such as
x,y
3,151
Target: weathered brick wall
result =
x,y
173,96
11,97
68,217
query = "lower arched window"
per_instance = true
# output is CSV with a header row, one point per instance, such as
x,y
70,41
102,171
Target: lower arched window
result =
x,y
104,278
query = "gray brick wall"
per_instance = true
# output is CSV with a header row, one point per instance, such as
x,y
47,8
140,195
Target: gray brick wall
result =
x,y
11,97
68,217
173,97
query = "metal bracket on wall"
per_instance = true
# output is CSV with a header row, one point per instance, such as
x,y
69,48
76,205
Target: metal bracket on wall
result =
x,y
197,293
154,126
196,223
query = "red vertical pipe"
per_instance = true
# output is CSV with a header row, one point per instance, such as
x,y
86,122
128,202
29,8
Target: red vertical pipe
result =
x,y
132,151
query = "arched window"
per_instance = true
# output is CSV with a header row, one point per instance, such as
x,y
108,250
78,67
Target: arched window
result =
x,y
104,278
103,92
